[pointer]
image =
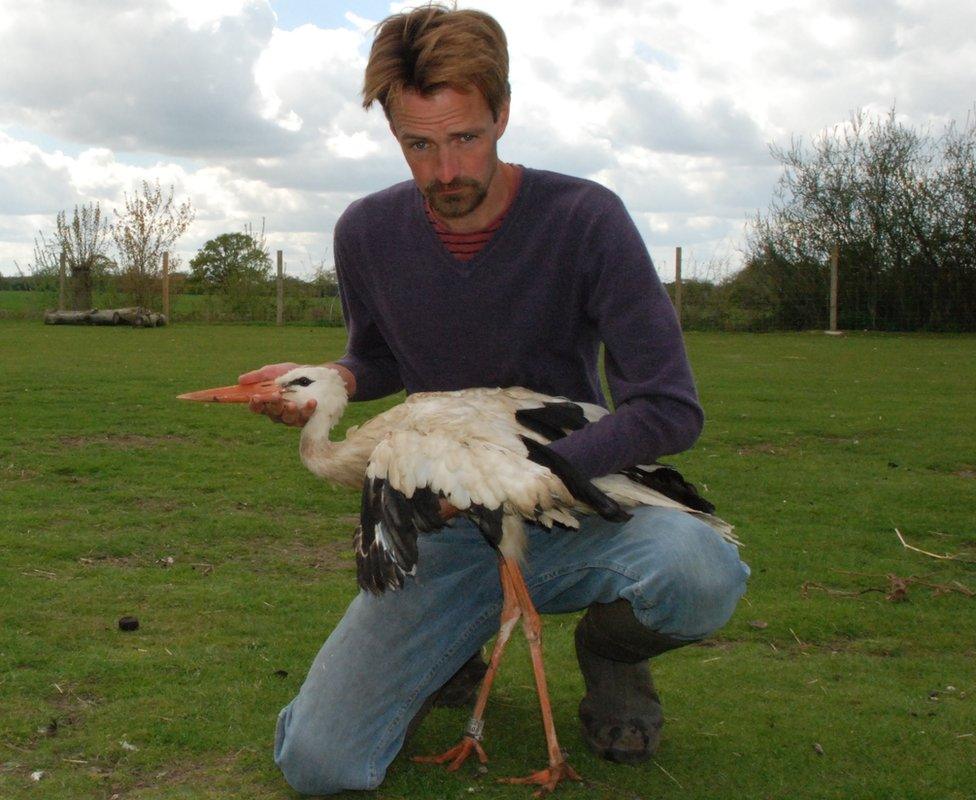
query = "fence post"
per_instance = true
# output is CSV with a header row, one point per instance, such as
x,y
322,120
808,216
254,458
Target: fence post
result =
x,y
166,286
61,279
280,319
834,269
677,283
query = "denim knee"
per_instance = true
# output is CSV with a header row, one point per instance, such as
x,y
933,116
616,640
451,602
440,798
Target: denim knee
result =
x,y
696,584
315,767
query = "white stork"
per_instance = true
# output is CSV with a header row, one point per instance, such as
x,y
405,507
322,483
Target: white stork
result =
x,y
484,452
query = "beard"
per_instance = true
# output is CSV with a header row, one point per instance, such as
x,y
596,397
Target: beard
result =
x,y
455,199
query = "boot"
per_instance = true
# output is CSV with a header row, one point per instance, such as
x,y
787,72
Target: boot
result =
x,y
460,690
621,712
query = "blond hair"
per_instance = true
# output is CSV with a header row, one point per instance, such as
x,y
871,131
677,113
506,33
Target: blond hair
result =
x,y
433,47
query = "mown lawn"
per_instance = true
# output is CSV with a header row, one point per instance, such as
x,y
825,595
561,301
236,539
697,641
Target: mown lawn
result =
x,y
849,671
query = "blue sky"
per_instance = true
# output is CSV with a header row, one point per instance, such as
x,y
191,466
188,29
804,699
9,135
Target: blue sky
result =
x,y
249,108
325,14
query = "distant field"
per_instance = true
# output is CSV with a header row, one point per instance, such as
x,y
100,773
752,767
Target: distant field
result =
x,y
849,671
185,307
26,304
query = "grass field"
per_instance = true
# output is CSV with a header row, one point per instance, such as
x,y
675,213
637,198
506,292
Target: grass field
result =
x,y
116,499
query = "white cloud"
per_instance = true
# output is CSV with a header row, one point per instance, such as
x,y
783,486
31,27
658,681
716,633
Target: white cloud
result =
x,y
672,105
137,77
207,13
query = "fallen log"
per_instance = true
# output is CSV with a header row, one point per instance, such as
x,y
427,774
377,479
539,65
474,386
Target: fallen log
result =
x,y
137,317
67,318
104,316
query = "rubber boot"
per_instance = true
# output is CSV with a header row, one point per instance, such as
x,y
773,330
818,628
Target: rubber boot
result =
x,y
460,690
621,712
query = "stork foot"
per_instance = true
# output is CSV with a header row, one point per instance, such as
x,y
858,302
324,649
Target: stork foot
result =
x,y
457,755
546,779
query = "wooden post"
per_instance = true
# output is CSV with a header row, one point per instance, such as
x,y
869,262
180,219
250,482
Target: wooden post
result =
x,y
677,283
280,319
834,269
61,280
166,286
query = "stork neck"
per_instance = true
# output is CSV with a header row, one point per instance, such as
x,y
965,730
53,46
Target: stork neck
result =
x,y
316,430
341,462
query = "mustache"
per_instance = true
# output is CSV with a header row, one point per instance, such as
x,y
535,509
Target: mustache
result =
x,y
457,183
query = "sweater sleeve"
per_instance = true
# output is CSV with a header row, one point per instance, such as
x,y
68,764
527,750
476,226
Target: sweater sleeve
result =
x,y
657,412
368,356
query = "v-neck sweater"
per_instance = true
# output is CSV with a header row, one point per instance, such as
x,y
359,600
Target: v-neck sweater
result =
x,y
566,271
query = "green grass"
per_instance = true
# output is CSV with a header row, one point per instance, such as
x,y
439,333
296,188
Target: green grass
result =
x,y
816,447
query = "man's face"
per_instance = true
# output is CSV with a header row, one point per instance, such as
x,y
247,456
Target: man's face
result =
x,y
449,140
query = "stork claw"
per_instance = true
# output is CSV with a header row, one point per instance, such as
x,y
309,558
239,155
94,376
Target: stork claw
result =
x,y
457,755
546,779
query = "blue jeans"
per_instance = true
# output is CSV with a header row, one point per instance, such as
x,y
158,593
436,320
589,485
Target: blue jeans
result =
x,y
389,653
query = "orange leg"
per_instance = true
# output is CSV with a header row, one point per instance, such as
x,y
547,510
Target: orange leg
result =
x,y
457,755
558,769
516,604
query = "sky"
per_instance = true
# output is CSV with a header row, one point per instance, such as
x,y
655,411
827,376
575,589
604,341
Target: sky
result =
x,y
251,109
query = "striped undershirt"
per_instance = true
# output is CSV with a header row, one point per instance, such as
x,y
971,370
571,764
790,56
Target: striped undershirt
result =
x,y
465,246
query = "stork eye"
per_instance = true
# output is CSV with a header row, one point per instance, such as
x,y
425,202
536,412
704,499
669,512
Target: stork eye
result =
x,y
302,381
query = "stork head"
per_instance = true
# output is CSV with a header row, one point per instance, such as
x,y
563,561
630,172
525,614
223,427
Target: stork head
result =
x,y
299,385
321,384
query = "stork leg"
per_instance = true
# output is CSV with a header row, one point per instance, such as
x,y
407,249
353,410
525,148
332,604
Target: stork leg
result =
x,y
471,742
516,604
558,768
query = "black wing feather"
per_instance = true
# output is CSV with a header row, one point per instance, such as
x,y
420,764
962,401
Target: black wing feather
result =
x,y
426,508
386,539
381,550
578,485
553,420
669,482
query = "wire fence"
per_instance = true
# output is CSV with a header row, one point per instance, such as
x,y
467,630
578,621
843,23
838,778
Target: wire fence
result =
x,y
834,294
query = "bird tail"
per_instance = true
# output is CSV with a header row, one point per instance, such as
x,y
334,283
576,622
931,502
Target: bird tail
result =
x,y
629,493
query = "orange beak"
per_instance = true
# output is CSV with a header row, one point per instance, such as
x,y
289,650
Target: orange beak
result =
x,y
240,393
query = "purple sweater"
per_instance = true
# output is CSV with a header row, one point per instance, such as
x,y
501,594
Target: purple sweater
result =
x,y
566,271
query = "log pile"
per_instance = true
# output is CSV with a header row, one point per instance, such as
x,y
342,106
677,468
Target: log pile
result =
x,y
137,317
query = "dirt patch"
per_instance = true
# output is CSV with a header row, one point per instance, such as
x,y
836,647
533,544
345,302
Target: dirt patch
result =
x,y
722,645
98,560
840,439
156,504
326,556
183,773
13,473
766,449
968,472
73,699
120,440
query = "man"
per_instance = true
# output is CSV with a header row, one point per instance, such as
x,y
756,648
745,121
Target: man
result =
x,y
483,273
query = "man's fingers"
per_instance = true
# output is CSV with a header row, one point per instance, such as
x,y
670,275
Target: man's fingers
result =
x,y
283,411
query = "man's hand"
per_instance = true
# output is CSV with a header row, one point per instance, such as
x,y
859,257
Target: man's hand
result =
x,y
283,411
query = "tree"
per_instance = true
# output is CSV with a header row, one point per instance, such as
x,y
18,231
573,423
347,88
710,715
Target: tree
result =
x,y
230,261
898,202
148,226
83,241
